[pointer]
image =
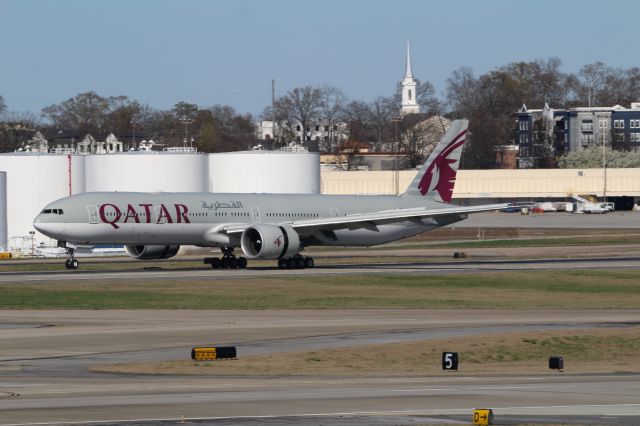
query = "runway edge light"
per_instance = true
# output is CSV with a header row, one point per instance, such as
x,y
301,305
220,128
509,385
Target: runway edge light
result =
x,y
483,416
556,363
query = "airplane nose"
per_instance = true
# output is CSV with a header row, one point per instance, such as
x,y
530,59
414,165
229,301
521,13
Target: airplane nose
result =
x,y
47,229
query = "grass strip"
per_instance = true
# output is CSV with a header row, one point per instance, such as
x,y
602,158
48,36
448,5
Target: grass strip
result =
x,y
584,351
568,289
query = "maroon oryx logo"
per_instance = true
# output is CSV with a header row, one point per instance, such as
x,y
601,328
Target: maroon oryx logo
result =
x,y
440,176
277,242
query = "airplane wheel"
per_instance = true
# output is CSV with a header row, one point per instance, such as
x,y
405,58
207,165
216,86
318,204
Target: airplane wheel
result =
x,y
308,262
242,262
73,264
224,263
233,262
282,263
67,263
215,263
299,262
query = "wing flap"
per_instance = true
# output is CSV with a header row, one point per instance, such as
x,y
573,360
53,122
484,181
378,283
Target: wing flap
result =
x,y
373,220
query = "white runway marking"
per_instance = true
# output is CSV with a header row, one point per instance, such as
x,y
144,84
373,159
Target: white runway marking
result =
x,y
576,409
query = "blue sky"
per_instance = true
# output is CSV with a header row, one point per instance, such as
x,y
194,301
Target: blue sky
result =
x,y
227,51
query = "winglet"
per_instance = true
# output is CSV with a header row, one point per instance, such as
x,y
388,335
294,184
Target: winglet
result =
x,y
437,176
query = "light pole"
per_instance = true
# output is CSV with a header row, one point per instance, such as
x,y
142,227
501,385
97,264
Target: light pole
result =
x,y
134,122
604,165
396,148
186,122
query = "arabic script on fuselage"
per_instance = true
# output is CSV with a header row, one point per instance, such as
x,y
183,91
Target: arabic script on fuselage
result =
x,y
215,205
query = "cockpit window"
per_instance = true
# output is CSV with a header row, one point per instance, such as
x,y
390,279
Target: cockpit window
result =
x,y
52,211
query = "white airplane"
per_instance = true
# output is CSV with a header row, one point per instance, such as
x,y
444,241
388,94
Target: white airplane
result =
x,y
263,226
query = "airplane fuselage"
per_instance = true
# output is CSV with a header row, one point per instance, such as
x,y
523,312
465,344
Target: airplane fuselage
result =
x,y
193,218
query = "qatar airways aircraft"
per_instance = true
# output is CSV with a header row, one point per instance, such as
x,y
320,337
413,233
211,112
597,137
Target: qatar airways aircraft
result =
x,y
264,226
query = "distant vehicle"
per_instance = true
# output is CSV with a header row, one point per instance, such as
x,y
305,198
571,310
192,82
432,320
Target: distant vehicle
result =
x,y
587,206
543,207
521,207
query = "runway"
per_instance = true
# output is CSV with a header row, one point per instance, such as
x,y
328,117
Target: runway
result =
x,y
44,356
399,267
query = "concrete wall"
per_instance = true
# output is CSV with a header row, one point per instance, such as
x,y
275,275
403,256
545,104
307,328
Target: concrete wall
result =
x,y
529,183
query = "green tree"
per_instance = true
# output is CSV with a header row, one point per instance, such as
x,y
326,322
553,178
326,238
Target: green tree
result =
x,y
591,158
209,138
185,111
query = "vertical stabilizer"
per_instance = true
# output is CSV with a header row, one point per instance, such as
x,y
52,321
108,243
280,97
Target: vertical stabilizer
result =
x,y
437,176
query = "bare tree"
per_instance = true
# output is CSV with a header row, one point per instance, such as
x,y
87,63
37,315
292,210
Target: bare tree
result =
x,y
382,111
236,132
462,92
85,112
593,77
299,107
358,116
332,105
420,136
24,118
426,96
3,105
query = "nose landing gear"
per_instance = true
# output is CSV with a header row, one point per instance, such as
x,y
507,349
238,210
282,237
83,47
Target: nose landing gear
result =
x,y
72,262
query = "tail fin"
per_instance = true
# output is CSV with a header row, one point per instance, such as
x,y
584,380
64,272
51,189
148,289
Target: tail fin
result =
x,y
437,175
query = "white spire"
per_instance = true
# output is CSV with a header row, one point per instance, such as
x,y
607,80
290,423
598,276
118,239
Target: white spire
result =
x,y
408,73
408,84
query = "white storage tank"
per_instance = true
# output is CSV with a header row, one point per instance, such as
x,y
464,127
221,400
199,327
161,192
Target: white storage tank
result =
x,y
147,172
33,181
265,172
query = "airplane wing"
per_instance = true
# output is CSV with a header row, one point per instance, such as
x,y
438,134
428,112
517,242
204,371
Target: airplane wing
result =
x,y
372,220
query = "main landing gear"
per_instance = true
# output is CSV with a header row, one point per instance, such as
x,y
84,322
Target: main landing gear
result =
x,y
72,262
296,262
227,261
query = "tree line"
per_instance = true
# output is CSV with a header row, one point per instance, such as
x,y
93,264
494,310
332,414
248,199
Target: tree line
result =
x,y
489,101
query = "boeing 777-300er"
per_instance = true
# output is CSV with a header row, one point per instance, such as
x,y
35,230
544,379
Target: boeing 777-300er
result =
x,y
264,226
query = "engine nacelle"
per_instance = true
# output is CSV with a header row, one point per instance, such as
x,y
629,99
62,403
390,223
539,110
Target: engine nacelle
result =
x,y
151,252
269,242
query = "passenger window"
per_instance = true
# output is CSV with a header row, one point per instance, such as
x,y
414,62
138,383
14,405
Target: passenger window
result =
x,y
60,211
46,211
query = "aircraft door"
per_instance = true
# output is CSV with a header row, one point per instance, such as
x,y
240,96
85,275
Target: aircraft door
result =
x,y
93,214
255,214
335,212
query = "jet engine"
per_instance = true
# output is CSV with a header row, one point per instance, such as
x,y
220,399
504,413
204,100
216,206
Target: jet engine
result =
x,y
269,242
151,252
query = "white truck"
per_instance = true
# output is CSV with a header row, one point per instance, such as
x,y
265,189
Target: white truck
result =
x,y
585,205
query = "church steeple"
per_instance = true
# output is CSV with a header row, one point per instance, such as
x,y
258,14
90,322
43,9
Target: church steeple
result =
x,y
409,104
408,73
